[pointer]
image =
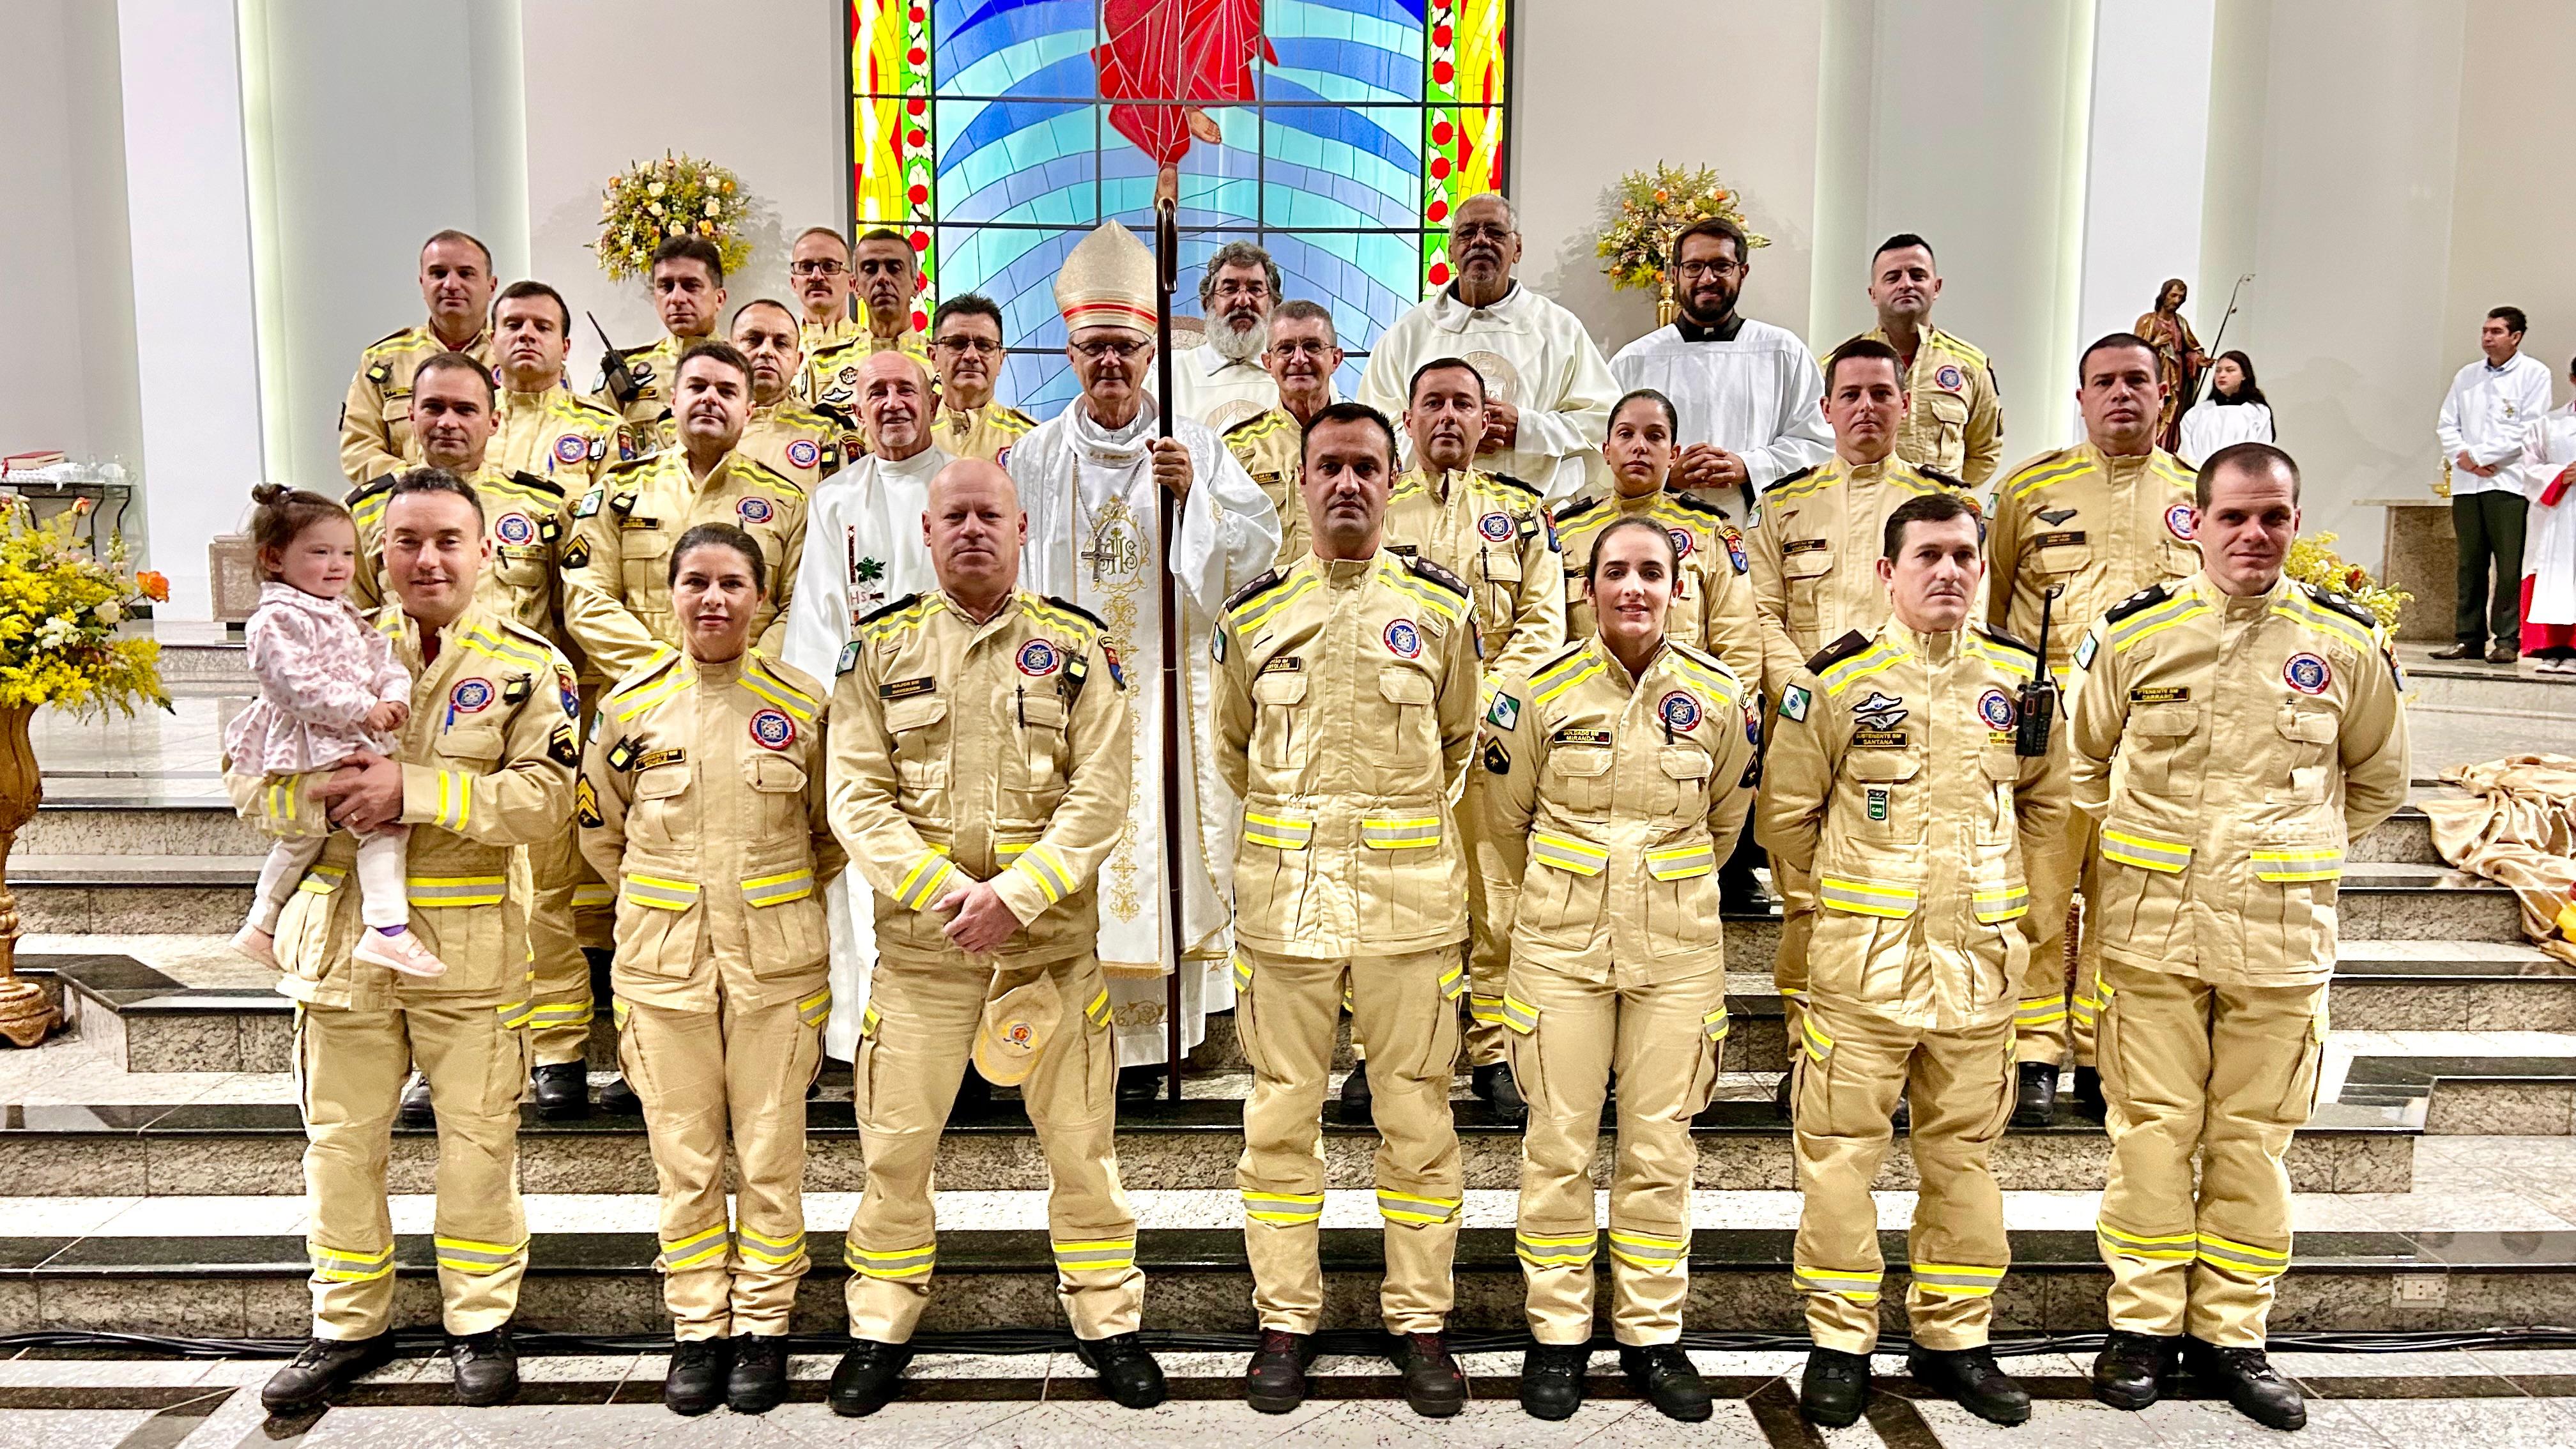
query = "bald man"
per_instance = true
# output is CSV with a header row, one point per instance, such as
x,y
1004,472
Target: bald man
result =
x,y
967,708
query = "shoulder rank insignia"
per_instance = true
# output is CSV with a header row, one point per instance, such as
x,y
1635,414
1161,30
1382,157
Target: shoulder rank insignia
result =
x,y
585,801
1508,481
1785,479
1838,651
1693,503
897,607
562,748
577,556
1575,510
2341,605
1268,580
1068,606
1425,569
2146,598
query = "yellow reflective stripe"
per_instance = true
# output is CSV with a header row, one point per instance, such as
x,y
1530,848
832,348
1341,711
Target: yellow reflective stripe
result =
x,y
697,1249
1283,1209
2170,1247
1041,865
516,1014
2167,857
1567,853
1681,862
2009,658
1094,1257
2040,1010
1867,898
816,1009
560,1013
1280,832
1517,1014
1406,1207
2306,863
1648,1250
1484,1010
1453,984
2300,611
1857,1287
1592,669
1242,974
1715,1024
1430,596
1096,1010
2155,621
778,890
593,894
1957,1280
467,1256
1996,905
283,799
344,1265
627,706
917,890
2245,1257
1717,684
321,880
869,1020
660,894
1870,661
2047,473
617,1012
775,1252
455,800
1565,668
437,891
1819,1045
1556,1250
499,646
780,696
899,1263
1407,833
1257,612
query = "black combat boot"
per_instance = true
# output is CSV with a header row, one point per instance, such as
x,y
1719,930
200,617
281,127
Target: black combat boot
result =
x,y
758,1381
1835,1388
695,1382
2089,1102
1971,1376
1275,1381
1493,1082
1552,1379
325,1367
2134,1369
866,1378
2036,1102
1665,1376
1357,1109
2257,1389
1434,1386
561,1092
487,1367
1128,1374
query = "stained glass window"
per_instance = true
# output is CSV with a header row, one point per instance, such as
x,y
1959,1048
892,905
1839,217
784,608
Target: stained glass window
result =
x,y
978,128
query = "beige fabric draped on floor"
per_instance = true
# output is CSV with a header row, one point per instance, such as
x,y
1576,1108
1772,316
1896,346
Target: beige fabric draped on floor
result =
x,y
2517,827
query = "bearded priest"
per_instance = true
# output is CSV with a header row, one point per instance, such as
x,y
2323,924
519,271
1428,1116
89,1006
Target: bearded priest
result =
x,y
1088,479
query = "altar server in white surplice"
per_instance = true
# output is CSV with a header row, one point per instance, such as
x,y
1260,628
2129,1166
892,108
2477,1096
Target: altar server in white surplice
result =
x,y
1749,396
863,549
1089,480
1547,391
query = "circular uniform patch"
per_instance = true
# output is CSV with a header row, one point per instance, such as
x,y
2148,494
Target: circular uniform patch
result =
x,y
1496,527
1996,708
2178,521
1679,709
772,730
1402,638
754,510
571,448
2307,674
1681,541
514,528
803,453
849,374
1038,657
470,696
1950,377
1753,723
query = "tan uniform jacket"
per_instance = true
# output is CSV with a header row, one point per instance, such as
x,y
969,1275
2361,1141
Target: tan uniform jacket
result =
x,y
560,436
525,520
988,432
1613,803
1272,448
1712,607
1814,542
701,795
487,761
2231,749
1891,779
813,337
375,418
1345,717
1493,532
617,569
995,752
793,441
656,367
2102,528
1954,422
831,375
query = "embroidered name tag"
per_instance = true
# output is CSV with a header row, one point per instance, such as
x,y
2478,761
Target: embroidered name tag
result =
x,y
1580,737
1804,545
2058,540
1283,664
2161,694
1878,739
907,688
654,759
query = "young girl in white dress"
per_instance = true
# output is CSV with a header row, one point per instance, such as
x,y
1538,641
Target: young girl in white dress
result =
x,y
329,688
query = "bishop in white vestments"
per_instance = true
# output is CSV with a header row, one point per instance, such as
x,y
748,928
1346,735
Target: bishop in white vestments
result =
x,y
863,550
1091,481
1547,391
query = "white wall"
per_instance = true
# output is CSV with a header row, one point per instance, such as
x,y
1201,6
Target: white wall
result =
x,y
2512,216
2148,144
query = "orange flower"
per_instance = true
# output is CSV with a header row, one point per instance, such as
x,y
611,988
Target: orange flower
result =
x,y
1661,195
155,586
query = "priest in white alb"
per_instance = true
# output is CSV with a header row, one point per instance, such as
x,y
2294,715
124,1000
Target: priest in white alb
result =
x,y
1091,480
2549,558
1221,381
1547,391
863,550
1749,395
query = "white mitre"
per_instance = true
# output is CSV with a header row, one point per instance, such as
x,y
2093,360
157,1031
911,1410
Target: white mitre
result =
x,y
1107,281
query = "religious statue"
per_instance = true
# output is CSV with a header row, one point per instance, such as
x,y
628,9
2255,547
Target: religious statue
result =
x,y
2179,360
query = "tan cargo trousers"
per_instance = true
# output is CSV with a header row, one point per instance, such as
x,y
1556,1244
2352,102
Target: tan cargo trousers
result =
x,y
702,1075
566,891
1797,893
1488,955
1568,1037
1285,1011
2044,1020
914,1042
2228,1073
349,1071
1851,1066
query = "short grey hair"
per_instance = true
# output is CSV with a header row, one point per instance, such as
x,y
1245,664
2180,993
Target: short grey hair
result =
x,y
1237,254
1298,309
1511,213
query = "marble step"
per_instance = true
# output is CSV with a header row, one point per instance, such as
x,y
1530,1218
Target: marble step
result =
x,y
2472,1094
2475,686
257,1147
80,819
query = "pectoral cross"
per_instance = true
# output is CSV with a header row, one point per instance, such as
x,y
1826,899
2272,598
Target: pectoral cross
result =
x,y
1101,554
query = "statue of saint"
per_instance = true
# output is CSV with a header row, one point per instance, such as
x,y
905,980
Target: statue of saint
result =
x,y
2179,359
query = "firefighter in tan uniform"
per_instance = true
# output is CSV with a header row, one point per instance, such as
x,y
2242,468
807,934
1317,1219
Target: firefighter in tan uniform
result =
x,y
2258,731
485,767
886,278
546,429
1345,716
702,795
617,591
818,267
1302,357
1899,779
979,776
687,279
786,436
1495,533
1622,771
966,355
2087,526
375,417
1807,539
1955,423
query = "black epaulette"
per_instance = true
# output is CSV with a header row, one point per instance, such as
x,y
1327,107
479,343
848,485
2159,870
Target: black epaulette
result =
x,y
370,490
1937,476
2146,598
629,465
637,351
1250,591
1508,481
833,415
2341,605
1424,568
1838,651
1785,479
1575,510
1693,503
535,484
2009,639
1076,610
897,607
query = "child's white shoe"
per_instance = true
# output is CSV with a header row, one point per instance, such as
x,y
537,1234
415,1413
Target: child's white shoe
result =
x,y
258,945
402,953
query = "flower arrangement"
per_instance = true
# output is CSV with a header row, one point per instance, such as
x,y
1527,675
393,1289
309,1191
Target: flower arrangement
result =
x,y
658,200
60,606
1653,205
2314,562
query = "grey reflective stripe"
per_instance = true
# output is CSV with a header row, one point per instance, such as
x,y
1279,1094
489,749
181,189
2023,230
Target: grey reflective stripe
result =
x,y
1994,907
1647,1250
1715,1024
901,1263
1519,1015
1566,853
436,891
769,1250
2322,863
777,890
661,894
1283,1209
698,1249
2245,1257
1681,862
1280,832
1076,1257
1957,1280
467,1256
1406,1207
1858,1287
1556,1250
1866,898
340,1265
2166,856
1400,834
